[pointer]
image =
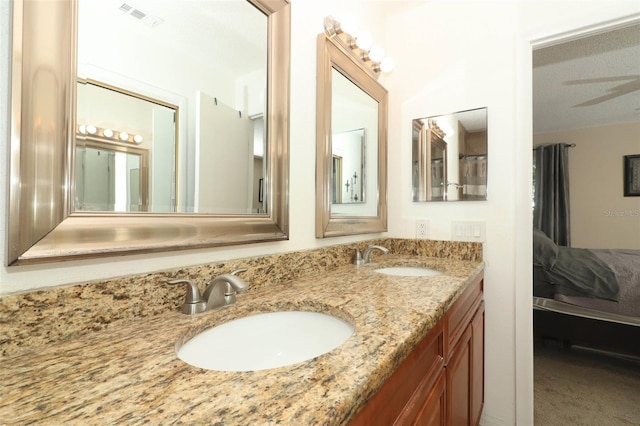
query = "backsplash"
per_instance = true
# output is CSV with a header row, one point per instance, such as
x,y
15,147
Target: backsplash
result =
x,y
30,319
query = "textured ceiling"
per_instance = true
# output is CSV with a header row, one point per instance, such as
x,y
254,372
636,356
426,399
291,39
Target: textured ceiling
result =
x,y
587,82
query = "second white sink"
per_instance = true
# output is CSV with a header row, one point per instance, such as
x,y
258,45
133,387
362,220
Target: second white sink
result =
x,y
264,341
408,271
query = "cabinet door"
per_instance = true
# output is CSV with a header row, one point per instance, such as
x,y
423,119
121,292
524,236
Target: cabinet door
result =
x,y
427,407
477,365
458,382
405,391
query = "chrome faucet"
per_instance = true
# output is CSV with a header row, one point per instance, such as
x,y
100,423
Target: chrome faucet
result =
x,y
221,291
367,256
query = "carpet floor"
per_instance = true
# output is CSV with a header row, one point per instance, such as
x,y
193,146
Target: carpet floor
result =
x,y
582,387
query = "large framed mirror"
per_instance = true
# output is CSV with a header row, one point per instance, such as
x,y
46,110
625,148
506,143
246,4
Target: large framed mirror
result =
x,y
449,157
55,44
351,144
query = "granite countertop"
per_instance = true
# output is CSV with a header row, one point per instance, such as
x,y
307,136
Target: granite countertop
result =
x,y
130,374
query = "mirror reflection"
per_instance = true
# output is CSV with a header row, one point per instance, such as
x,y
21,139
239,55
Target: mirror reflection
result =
x,y
354,115
209,158
347,149
117,133
110,178
449,157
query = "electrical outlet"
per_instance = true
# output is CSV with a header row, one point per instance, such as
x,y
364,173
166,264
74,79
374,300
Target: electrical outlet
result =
x,y
422,229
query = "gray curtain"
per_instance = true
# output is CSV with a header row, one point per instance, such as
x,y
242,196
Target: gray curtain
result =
x,y
551,193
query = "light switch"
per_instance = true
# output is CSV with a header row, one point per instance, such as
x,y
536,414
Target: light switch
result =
x,y
468,231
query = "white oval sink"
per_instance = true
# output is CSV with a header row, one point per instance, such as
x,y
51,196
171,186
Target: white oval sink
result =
x,y
264,341
408,271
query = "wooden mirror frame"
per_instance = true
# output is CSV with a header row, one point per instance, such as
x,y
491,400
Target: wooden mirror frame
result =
x,y
332,53
42,226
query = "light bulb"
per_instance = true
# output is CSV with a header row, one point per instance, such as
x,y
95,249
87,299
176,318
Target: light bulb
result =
x,y
364,40
387,65
108,133
124,136
137,139
82,129
91,129
446,128
349,24
376,53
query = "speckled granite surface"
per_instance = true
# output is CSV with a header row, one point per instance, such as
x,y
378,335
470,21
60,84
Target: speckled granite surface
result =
x,y
128,372
40,317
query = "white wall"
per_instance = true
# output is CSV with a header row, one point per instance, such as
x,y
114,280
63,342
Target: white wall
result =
x,y
450,56
601,216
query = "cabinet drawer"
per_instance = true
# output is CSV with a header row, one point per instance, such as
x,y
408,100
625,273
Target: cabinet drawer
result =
x,y
422,365
459,315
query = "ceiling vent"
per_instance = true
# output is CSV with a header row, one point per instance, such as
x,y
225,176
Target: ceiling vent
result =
x,y
145,18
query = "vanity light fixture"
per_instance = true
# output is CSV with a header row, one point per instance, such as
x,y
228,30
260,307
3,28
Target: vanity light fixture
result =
x,y
364,40
376,54
435,128
370,56
108,134
446,128
387,64
348,24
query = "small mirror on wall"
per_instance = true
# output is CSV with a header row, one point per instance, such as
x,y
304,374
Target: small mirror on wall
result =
x,y
449,157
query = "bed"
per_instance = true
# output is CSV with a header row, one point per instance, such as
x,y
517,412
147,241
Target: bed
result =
x,y
586,297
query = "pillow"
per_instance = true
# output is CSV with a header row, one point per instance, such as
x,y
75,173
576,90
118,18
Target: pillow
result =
x,y
545,251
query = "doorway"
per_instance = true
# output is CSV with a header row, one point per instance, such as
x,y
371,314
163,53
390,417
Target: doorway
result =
x,y
584,85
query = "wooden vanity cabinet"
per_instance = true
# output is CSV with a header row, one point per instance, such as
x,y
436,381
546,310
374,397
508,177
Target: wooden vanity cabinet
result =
x,y
441,382
464,357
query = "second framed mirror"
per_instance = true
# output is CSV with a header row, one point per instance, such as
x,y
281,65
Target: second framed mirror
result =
x,y
351,178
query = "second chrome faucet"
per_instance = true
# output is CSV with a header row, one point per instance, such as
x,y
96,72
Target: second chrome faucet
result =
x,y
221,291
367,256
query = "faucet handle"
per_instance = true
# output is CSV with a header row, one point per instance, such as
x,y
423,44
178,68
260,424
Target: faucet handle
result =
x,y
193,301
237,271
357,257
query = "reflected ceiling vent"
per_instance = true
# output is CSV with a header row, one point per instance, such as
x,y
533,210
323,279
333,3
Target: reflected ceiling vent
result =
x,y
147,19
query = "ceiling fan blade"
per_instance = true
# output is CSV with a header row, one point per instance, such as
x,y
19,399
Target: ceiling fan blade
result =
x,y
614,92
602,79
